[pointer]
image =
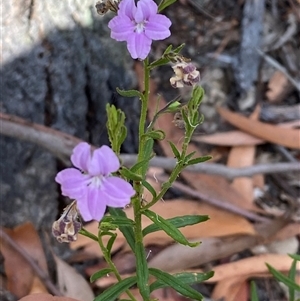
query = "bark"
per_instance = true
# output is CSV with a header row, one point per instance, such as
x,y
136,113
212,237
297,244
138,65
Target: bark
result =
x,y
59,68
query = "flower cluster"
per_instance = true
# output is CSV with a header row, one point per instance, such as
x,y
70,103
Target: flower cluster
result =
x,y
91,182
185,74
138,26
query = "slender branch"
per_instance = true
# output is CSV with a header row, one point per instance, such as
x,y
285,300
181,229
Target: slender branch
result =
x,y
39,272
61,145
214,202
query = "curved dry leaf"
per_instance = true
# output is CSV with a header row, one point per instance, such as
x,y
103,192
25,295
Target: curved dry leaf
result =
x,y
272,133
252,266
230,138
20,275
232,289
71,283
46,297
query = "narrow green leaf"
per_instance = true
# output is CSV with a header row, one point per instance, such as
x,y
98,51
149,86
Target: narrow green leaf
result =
x,y
130,93
156,134
186,278
179,48
117,289
142,271
178,222
170,229
165,3
138,165
292,276
198,160
198,94
175,150
127,231
100,274
148,153
128,174
254,296
159,62
118,220
295,256
110,243
189,156
282,278
148,186
176,284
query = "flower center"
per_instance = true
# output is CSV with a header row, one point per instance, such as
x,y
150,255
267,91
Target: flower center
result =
x,y
140,27
96,181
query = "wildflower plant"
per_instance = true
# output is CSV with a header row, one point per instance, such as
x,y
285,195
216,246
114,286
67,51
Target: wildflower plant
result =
x,y
98,180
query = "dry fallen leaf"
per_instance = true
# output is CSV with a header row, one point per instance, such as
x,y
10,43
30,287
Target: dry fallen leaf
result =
x,y
46,297
252,266
71,283
272,133
231,289
20,275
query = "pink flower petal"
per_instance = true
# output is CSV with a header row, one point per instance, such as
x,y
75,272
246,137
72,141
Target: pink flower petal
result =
x,y
158,27
96,203
104,161
121,28
81,156
127,8
84,210
73,183
138,46
118,192
145,8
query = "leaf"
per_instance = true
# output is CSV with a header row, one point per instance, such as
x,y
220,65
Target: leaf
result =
x,y
114,291
175,150
292,276
198,160
186,278
100,274
169,229
130,93
142,271
110,243
282,278
268,132
295,256
138,165
156,134
178,222
71,283
148,186
148,153
165,3
127,231
119,220
128,174
176,284
254,296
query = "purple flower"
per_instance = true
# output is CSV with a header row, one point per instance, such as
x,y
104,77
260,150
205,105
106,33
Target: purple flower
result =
x,y
92,184
138,26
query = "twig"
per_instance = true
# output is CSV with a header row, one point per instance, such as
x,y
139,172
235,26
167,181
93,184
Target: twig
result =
x,y
214,202
40,273
61,145
279,67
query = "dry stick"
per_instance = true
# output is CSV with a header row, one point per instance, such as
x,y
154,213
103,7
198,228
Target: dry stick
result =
x,y
280,68
61,145
215,202
40,273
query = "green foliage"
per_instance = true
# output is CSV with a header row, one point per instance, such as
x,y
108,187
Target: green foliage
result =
x,y
116,129
117,289
165,3
169,228
176,283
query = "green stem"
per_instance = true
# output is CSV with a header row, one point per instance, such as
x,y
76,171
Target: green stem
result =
x,y
142,277
107,258
176,171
